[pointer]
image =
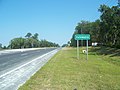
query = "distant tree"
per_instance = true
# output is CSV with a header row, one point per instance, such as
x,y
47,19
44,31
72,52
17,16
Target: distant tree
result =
x,y
30,42
28,35
86,27
35,36
105,31
110,25
95,31
17,43
4,47
64,45
45,43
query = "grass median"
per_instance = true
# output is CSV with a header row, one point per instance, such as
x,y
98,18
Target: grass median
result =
x,y
65,72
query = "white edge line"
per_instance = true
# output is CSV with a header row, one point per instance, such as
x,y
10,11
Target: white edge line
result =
x,y
25,64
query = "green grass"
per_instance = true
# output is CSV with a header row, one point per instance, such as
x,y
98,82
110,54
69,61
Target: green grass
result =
x,y
111,55
65,72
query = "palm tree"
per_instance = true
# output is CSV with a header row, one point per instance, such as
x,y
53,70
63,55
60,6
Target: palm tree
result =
x,y
28,35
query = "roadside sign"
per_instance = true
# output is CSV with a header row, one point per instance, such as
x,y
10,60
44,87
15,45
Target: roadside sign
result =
x,y
82,37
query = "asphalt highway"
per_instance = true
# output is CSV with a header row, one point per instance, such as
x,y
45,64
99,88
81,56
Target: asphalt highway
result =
x,y
9,61
18,65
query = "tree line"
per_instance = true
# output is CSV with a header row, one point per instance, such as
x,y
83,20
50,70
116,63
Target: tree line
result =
x,y
105,31
29,41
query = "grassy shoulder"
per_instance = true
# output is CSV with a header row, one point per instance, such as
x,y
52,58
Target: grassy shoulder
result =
x,y
65,72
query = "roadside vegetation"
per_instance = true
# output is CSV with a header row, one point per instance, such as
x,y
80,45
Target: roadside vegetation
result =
x,y
112,55
65,72
29,41
105,31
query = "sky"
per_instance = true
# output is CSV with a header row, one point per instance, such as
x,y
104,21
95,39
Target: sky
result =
x,y
53,20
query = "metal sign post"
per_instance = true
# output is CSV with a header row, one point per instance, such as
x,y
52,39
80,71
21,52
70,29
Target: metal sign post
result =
x,y
87,50
78,49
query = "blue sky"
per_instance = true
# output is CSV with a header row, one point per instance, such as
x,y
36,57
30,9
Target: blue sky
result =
x,y
53,20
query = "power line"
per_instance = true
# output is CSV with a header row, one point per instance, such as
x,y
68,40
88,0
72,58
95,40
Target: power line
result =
x,y
111,2
107,2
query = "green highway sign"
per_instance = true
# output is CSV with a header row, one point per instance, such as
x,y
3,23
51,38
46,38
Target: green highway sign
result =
x,y
82,37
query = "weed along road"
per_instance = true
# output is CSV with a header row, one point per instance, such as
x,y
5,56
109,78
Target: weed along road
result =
x,y
17,66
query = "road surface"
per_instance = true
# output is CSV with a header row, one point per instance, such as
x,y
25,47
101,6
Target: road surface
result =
x,y
17,67
11,60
